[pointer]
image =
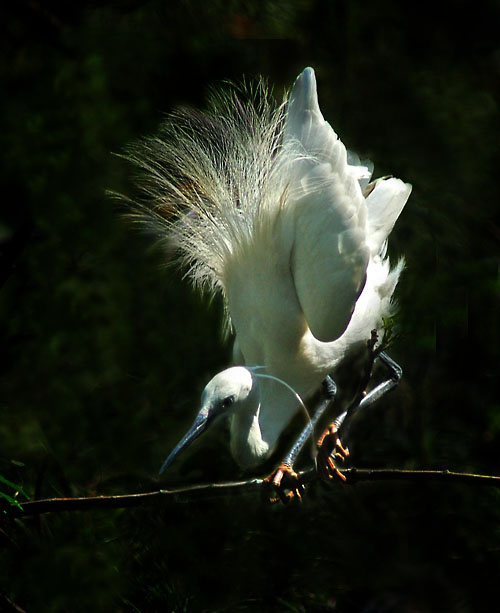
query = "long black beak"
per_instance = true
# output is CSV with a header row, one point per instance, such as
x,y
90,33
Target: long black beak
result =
x,y
199,426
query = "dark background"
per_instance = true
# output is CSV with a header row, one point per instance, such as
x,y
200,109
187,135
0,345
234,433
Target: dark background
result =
x,y
104,354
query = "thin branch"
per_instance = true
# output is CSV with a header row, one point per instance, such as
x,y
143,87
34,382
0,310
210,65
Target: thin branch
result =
x,y
353,475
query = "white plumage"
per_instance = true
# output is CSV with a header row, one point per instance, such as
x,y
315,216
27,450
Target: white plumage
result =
x,y
266,205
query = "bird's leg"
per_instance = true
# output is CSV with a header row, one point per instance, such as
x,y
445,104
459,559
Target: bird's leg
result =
x,y
284,484
395,374
330,446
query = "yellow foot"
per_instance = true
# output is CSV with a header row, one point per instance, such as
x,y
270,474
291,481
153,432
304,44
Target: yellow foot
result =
x,y
330,451
282,485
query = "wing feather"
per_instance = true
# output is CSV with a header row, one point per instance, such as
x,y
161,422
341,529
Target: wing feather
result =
x,y
384,203
330,254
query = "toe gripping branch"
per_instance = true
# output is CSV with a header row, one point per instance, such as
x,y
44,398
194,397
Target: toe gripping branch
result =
x,y
330,451
282,485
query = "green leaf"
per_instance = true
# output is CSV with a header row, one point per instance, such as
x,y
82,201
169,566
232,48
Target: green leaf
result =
x,y
13,486
11,500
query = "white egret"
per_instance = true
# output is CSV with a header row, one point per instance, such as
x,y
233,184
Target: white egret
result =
x,y
265,205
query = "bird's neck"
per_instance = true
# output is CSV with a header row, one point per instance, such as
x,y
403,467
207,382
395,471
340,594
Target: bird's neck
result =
x,y
247,445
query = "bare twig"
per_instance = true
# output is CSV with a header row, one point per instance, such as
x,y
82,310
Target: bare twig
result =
x,y
353,475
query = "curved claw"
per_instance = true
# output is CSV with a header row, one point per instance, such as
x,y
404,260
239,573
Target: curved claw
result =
x,y
330,451
282,485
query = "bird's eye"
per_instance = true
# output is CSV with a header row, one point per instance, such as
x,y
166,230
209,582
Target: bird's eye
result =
x,y
227,402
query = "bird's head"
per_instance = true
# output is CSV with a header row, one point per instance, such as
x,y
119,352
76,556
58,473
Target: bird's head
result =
x,y
228,392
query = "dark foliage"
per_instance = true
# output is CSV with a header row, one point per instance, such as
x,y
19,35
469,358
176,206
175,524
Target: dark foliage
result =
x,y
103,354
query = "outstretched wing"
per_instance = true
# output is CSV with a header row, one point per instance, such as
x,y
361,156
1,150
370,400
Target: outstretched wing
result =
x,y
330,251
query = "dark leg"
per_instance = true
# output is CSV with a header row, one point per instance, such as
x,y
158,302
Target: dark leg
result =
x,y
330,389
283,484
330,445
395,374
